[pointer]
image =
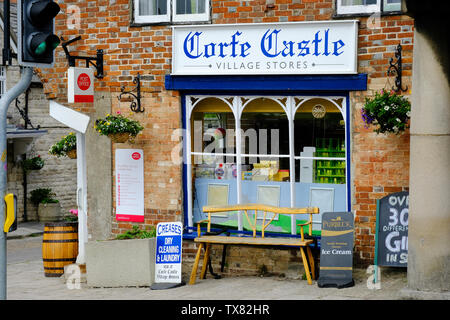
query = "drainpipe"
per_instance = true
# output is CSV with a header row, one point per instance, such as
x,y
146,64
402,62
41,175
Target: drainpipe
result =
x,y
5,101
24,157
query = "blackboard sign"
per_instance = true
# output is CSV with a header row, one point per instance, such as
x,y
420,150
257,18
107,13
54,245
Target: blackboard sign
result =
x,y
336,250
391,247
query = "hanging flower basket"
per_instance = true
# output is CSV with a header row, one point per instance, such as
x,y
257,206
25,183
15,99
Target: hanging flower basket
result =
x,y
72,154
388,111
119,137
35,163
67,146
118,128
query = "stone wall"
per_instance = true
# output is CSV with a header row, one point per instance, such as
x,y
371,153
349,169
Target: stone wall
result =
x,y
59,174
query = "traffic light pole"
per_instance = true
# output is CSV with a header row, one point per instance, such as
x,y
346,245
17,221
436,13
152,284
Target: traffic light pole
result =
x,y
5,101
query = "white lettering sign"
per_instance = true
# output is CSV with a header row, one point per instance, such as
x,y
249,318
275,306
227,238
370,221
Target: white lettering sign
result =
x,y
326,47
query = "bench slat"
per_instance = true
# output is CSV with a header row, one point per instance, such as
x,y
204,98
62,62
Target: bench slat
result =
x,y
261,207
254,241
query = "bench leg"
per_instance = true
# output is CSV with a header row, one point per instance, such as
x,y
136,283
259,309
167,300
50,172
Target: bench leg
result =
x,y
305,265
205,262
195,266
311,261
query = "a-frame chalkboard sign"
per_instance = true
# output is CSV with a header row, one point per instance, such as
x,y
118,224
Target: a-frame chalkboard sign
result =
x,y
391,243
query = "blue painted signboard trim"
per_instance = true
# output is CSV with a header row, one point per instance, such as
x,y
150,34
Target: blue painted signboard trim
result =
x,y
357,82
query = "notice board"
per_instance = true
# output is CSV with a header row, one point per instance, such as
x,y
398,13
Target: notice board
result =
x,y
336,250
129,170
391,247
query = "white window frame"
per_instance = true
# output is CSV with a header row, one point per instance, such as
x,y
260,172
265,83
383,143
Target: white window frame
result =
x,y
171,15
389,7
150,18
190,17
237,108
357,8
372,8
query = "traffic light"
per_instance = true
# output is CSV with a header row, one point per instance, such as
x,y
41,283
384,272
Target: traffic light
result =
x,y
35,32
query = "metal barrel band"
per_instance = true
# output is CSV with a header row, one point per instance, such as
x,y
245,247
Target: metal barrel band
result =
x,y
59,241
60,260
62,231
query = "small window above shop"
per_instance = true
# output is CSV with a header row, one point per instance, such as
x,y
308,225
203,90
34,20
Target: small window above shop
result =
x,y
168,11
357,7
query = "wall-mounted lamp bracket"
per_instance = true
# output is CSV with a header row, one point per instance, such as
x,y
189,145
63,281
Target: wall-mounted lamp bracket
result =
x,y
135,105
89,60
397,68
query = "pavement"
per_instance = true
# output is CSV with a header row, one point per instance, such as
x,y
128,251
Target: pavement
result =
x,y
26,281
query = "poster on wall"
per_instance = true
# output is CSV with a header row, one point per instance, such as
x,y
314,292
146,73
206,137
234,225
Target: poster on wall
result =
x,y
129,170
168,255
336,250
391,247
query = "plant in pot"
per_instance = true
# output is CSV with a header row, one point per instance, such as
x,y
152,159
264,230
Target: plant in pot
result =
x,y
118,128
48,208
126,260
34,163
388,111
72,217
67,146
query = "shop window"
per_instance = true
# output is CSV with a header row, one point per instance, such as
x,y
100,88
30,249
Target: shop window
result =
x,y
367,6
275,150
319,133
213,158
157,11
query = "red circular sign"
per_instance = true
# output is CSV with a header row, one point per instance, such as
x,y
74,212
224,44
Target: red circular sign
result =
x,y
83,81
136,156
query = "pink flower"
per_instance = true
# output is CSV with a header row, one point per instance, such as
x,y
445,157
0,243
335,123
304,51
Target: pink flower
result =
x,y
118,112
74,212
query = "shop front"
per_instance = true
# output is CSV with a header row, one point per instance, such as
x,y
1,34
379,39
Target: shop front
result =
x,y
266,117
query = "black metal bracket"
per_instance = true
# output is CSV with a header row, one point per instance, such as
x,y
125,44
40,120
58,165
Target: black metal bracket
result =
x,y
24,113
72,59
135,105
397,69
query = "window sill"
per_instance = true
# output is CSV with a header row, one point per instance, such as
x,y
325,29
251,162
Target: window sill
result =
x,y
165,23
364,14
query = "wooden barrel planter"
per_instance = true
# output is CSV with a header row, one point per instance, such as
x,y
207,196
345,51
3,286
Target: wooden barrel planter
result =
x,y
59,247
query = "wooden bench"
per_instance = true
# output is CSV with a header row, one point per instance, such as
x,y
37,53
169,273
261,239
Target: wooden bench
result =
x,y
205,240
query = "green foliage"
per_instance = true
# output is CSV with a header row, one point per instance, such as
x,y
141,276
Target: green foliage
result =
x,y
389,111
35,163
67,143
42,195
137,233
72,217
117,124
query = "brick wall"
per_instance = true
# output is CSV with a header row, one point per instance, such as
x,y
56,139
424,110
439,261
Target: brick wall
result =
x,y
380,164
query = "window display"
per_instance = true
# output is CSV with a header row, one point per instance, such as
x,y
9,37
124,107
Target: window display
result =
x,y
254,150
